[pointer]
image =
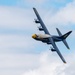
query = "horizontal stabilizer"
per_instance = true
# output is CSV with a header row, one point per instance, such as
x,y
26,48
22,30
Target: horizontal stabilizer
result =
x,y
64,41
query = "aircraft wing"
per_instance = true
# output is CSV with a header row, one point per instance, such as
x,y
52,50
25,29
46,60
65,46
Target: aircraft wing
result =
x,y
41,22
57,50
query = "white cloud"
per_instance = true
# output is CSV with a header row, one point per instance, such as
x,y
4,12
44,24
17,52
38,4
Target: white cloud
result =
x,y
13,43
14,17
18,19
17,63
51,65
18,60
65,16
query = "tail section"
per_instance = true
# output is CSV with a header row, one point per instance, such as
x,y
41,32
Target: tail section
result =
x,y
63,37
66,35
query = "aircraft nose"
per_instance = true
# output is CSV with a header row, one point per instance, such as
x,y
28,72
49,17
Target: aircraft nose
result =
x,y
34,36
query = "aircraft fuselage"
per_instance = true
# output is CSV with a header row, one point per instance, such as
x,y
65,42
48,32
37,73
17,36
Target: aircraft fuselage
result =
x,y
45,38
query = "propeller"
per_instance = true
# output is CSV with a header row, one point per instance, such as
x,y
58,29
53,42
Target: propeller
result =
x,y
52,49
36,21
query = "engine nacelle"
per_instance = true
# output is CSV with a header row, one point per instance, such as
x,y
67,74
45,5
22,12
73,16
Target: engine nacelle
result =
x,y
36,21
48,42
53,50
41,29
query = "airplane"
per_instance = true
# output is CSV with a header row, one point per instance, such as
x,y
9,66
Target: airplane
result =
x,y
48,38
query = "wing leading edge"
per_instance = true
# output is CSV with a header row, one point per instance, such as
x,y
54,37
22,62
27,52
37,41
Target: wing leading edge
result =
x,y
47,32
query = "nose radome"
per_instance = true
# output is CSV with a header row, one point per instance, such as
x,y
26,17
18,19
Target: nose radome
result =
x,y
34,36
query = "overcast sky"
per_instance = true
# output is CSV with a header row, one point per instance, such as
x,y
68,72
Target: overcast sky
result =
x,y
22,55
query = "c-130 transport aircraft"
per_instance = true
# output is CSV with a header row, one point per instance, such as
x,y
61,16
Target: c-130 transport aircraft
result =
x,y
48,38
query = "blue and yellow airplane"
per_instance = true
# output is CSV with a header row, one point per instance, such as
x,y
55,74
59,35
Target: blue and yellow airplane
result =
x,y
48,38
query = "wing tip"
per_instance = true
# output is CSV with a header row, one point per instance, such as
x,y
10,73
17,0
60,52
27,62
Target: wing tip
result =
x,y
65,62
34,8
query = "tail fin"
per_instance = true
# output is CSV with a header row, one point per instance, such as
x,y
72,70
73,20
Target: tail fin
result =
x,y
58,32
64,37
